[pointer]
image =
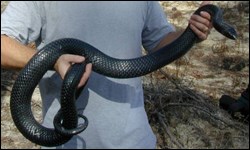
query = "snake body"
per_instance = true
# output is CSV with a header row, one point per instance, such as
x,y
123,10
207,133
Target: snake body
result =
x,y
45,59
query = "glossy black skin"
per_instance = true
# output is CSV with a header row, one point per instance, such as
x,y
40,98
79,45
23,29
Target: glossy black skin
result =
x,y
45,59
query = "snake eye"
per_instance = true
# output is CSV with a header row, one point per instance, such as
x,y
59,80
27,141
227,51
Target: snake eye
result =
x,y
231,33
226,30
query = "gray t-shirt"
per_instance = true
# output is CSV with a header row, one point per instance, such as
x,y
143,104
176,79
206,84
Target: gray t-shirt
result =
x,y
114,107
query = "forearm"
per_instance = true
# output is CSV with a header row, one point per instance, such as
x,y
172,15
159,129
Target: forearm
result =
x,y
168,39
14,55
200,24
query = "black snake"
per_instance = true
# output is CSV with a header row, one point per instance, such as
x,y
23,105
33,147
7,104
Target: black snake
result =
x,y
45,59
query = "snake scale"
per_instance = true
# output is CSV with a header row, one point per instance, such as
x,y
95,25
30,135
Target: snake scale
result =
x,y
45,59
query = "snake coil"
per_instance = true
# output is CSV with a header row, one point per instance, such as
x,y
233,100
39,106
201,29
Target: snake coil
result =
x,y
45,59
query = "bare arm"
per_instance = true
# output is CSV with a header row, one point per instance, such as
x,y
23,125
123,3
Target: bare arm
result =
x,y
14,55
199,24
168,39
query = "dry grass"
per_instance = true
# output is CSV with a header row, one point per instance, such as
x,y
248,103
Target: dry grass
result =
x,y
181,99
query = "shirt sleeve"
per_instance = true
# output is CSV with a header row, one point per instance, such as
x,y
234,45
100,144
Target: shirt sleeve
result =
x,y
156,26
22,21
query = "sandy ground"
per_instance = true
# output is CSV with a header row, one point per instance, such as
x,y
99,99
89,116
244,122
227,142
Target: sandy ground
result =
x,y
182,103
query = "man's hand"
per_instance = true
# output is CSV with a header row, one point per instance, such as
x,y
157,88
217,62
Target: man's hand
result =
x,y
201,25
65,61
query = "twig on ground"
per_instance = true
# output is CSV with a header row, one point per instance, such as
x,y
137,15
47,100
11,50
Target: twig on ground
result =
x,y
236,126
172,138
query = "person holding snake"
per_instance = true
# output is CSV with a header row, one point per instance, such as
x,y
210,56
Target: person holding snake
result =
x,y
114,107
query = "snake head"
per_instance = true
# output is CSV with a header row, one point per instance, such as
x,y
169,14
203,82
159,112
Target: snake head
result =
x,y
218,22
229,31
226,30
223,27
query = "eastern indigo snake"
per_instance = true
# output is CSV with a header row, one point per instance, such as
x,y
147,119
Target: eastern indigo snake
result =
x,y
45,59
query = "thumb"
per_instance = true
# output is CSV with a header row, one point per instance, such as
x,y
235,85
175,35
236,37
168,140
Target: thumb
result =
x,y
74,58
65,61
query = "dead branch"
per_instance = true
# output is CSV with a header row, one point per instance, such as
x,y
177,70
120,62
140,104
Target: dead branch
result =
x,y
172,138
227,123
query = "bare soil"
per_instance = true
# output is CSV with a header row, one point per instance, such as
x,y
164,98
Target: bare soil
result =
x,y
181,99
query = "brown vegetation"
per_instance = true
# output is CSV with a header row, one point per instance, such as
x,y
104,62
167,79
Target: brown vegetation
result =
x,y
181,99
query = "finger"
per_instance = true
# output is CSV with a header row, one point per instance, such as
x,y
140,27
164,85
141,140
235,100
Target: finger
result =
x,y
65,61
201,27
205,15
200,34
205,19
201,19
73,58
86,75
64,69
